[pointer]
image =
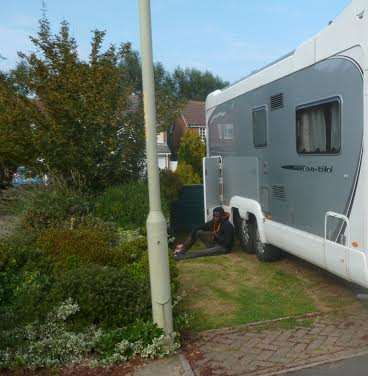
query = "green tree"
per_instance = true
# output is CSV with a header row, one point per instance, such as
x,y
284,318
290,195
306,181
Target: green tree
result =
x,y
187,175
192,84
191,153
169,102
90,113
83,125
16,147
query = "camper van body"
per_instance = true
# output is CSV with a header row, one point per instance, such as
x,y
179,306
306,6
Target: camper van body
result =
x,y
285,146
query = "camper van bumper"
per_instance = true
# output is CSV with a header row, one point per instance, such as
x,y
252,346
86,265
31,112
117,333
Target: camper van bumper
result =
x,y
358,267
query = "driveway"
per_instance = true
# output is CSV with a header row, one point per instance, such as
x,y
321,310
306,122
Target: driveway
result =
x,y
267,350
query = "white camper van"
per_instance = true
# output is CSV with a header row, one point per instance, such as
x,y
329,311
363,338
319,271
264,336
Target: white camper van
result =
x,y
287,156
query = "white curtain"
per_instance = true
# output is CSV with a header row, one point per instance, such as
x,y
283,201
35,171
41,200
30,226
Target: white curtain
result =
x,y
305,133
318,131
335,129
313,131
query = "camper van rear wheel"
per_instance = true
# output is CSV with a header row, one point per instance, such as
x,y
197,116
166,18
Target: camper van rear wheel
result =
x,y
246,232
265,252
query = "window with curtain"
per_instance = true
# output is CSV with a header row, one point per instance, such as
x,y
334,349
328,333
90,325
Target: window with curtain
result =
x,y
319,129
259,118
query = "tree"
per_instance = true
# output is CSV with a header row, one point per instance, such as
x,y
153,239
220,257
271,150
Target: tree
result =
x,y
187,175
192,84
169,103
16,147
89,118
191,153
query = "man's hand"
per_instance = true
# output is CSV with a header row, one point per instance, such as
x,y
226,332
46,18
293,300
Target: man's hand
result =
x,y
179,249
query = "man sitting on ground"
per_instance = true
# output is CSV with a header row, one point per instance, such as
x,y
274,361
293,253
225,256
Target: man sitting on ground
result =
x,y
217,235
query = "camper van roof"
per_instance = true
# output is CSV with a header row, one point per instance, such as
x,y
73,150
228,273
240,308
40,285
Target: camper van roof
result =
x,y
348,30
263,68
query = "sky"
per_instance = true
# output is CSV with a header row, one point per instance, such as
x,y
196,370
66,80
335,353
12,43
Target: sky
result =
x,y
230,38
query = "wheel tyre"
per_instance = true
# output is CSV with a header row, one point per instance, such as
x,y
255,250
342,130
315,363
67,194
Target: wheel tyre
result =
x,y
266,252
247,233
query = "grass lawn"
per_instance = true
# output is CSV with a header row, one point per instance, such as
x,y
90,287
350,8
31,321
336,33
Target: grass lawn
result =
x,y
237,289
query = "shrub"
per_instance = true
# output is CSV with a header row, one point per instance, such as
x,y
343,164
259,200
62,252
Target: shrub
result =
x,y
107,296
129,252
82,245
191,152
110,284
49,344
53,344
187,174
44,207
26,278
142,339
171,185
127,205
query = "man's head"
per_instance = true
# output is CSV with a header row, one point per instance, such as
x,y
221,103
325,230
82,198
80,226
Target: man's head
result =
x,y
218,214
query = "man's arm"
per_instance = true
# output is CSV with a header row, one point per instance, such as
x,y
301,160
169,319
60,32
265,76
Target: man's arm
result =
x,y
225,237
204,227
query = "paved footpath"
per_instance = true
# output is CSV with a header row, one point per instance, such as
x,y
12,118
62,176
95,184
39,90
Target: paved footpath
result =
x,y
255,351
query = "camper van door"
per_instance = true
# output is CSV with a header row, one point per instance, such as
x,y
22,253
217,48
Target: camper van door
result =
x,y
213,184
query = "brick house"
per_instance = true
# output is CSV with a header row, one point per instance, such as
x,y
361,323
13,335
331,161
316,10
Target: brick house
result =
x,y
163,151
191,119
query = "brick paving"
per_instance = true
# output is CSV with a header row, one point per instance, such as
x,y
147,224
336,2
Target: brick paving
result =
x,y
255,351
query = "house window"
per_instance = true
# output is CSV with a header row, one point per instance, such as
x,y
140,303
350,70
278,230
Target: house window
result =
x,y
319,128
202,133
228,130
259,119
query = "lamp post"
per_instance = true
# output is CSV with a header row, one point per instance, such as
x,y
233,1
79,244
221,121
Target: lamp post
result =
x,y
156,223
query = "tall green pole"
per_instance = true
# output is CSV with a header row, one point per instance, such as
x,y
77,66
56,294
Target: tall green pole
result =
x,y
156,223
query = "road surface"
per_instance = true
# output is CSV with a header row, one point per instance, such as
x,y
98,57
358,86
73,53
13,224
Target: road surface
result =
x,y
350,367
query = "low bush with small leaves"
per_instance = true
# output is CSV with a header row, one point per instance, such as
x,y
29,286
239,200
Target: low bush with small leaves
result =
x,y
93,268
81,245
171,185
128,205
53,344
107,296
49,206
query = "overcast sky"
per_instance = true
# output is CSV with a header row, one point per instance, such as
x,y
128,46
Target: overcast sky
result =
x,y
228,37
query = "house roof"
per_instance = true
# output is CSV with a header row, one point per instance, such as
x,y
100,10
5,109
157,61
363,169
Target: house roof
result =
x,y
194,113
163,149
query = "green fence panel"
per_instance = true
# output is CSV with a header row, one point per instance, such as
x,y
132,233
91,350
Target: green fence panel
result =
x,y
188,211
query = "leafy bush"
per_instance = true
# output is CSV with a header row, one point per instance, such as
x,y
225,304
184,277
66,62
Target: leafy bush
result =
x,y
99,270
107,296
130,252
52,343
48,344
110,284
82,245
187,174
26,278
191,152
171,185
44,207
128,205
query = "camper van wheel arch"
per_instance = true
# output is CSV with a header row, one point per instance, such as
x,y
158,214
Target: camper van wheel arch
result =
x,y
245,229
265,252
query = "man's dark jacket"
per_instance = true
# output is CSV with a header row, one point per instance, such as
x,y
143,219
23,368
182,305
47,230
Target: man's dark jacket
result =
x,y
225,234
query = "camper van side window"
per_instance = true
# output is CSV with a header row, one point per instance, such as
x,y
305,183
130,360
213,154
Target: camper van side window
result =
x,y
259,119
319,128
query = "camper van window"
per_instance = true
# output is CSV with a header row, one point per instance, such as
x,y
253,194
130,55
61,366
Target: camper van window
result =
x,y
259,119
319,129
